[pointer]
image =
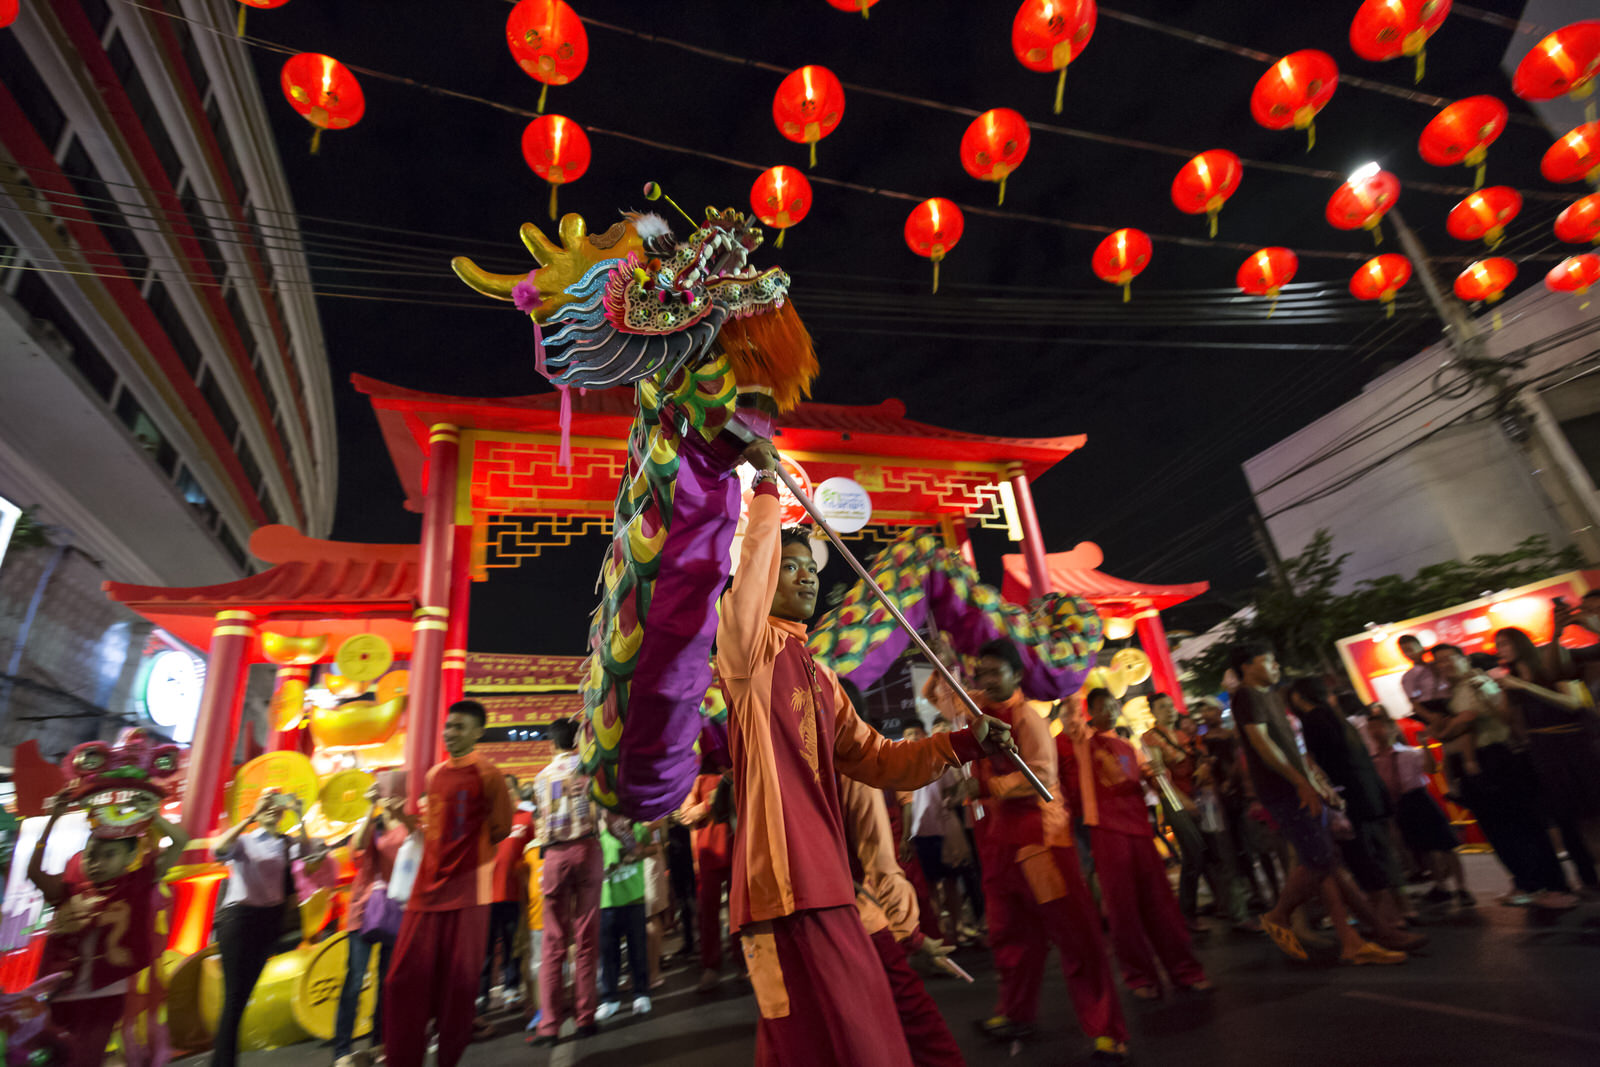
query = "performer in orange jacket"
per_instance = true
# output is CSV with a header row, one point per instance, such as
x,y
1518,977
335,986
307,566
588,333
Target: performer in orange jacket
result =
x,y
1033,887
821,989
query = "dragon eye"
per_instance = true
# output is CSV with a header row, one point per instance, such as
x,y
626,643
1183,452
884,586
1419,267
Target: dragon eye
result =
x,y
165,763
89,760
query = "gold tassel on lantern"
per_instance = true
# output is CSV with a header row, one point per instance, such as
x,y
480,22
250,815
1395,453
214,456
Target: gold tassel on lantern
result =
x,y
813,162
1061,89
544,91
553,188
779,242
936,257
240,31
864,10
316,138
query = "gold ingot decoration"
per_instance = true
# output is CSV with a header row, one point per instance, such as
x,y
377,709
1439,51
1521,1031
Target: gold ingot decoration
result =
x,y
1136,715
286,651
340,686
1132,665
281,772
364,657
316,1005
186,1023
392,685
357,724
1104,678
1118,627
288,708
269,1019
344,795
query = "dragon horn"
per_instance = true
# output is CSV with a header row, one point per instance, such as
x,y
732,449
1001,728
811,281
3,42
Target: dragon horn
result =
x,y
498,286
572,228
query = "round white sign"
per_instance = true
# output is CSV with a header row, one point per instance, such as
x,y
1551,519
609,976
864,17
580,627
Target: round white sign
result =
x,y
173,681
845,505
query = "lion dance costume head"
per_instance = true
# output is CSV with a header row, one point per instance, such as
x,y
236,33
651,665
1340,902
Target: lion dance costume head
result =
x,y
122,785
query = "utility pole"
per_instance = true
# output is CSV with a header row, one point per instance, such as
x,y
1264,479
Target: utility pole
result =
x,y
1523,416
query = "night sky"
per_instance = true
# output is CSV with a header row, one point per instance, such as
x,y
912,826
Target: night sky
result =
x,y
1174,390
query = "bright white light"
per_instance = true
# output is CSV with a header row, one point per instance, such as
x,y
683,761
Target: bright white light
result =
x,y
1363,172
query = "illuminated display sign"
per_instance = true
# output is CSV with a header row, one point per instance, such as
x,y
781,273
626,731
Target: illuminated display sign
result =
x,y
168,692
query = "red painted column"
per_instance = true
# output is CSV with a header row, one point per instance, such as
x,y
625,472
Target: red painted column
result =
x,y
1164,673
297,678
216,729
431,618
1039,582
455,643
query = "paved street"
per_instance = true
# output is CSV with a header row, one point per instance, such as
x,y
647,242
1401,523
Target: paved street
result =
x,y
1496,986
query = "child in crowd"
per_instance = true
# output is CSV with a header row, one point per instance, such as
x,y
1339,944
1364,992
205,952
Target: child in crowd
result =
x,y
1424,826
622,916
103,931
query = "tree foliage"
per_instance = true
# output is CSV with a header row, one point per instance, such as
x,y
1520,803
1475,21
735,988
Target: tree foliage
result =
x,y
1301,623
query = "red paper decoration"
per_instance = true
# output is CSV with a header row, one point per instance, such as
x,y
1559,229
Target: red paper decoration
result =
x,y
1379,278
9,9
994,145
1293,90
1564,62
808,106
853,5
780,197
1484,214
548,41
323,92
1361,202
1121,257
1047,35
1266,271
1486,279
1575,157
932,229
1574,275
1387,29
1205,183
1580,222
1463,132
558,151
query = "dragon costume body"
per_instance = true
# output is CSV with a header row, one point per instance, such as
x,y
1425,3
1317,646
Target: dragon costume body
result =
x,y
716,353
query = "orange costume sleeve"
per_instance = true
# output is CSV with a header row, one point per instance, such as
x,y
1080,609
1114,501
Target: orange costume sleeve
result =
x,y
866,825
1038,751
864,754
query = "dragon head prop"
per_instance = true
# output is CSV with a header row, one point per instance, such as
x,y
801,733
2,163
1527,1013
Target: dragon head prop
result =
x,y
28,1036
123,784
636,302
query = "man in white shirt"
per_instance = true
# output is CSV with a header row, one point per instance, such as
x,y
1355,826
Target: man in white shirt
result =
x,y
1422,682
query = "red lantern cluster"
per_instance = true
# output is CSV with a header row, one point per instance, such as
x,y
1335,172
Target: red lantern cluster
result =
x,y
1205,183
1485,280
1564,62
1580,222
1047,35
994,145
1463,132
10,8
1121,257
932,230
1575,274
548,41
1266,271
1380,278
1293,90
780,197
1388,29
1484,215
1575,157
808,106
1361,202
323,92
853,5
557,150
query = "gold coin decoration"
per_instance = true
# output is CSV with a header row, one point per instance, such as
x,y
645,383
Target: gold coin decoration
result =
x,y
394,684
281,772
344,795
317,1002
364,657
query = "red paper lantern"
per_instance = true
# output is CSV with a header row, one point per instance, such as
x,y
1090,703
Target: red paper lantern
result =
x,y
548,41
1266,271
1580,222
1379,278
994,145
1463,132
323,92
780,197
558,151
853,5
1484,214
1564,62
1293,90
808,106
10,8
244,5
1047,35
1388,29
1121,257
1361,202
1574,275
932,229
1575,157
1486,279
1205,183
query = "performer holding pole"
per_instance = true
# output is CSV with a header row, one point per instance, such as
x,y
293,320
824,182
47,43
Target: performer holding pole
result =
x,y
821,989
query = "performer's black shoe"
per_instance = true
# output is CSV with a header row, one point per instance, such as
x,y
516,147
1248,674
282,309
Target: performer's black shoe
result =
x,y
1000,1028
588,1030
1109,1050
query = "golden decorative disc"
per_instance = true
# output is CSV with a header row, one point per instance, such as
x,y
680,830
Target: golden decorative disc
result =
x,y
364,657
317,1001
394,684
344,795
283,772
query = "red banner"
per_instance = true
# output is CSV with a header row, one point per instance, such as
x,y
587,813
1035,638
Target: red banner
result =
x,y
521,758
530,709
490,672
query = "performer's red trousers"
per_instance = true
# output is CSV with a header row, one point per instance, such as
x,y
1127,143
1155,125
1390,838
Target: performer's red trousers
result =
x,y
930,1040
1146,924
438,959
824,998
89,1022
1031,908
714,878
